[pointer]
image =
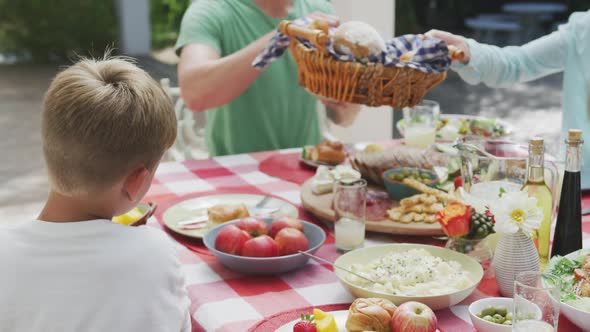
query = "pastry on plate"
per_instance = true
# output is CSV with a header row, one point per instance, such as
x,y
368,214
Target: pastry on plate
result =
x,y
221,213
327,152
370,314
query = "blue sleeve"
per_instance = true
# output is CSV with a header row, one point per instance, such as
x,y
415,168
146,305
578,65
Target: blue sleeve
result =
x,y
502,67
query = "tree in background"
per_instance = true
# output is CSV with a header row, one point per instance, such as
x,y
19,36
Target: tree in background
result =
x,y
166,16
54,30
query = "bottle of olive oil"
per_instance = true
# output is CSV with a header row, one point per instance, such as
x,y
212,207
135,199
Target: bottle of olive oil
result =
x,y
536,187
568,227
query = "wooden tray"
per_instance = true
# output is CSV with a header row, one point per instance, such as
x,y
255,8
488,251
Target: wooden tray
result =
x,y
320,206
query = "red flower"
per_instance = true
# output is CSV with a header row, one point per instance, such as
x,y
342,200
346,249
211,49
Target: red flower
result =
x,y
455,219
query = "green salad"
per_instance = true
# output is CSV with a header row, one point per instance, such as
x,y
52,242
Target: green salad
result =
x,y
575,278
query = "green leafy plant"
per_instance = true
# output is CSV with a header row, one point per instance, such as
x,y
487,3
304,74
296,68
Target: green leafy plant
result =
x,y
166,16
57,29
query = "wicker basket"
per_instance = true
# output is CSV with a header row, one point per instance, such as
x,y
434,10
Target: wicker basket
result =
x,y
370,84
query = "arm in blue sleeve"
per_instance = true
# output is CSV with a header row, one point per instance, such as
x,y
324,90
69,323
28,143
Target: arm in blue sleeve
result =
x,y
503,67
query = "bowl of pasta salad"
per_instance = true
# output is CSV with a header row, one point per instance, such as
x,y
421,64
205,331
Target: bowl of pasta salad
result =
x,y
435,276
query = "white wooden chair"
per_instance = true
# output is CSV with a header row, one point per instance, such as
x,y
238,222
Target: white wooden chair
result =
x,y
190,139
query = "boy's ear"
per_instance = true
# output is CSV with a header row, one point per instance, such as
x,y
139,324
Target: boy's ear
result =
x,y
134,183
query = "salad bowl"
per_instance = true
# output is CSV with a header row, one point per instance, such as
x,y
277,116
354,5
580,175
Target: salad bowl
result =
x,y
575,308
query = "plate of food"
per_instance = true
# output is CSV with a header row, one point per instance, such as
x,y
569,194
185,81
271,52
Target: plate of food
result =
x,y
367,314
574,272
194,217
453,126
327,153
435,276
413,215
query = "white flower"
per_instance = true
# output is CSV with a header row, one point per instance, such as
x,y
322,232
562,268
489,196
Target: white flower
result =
x,y
516,211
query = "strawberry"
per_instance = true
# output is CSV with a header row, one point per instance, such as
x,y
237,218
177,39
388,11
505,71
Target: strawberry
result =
x,y
305,325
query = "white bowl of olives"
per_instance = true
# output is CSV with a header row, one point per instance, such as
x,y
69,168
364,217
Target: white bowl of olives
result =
x,y
492,314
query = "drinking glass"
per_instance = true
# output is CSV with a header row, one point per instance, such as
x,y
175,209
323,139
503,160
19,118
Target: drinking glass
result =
x,y
536,302
478,249
420,123
350,199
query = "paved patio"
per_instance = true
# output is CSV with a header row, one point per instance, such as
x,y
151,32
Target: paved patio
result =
x,y
532,108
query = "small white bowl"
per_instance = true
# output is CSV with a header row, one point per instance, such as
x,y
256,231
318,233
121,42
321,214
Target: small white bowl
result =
x,y
483,325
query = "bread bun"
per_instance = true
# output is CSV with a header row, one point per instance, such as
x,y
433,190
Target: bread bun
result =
x,y
331,153
370,314
357,38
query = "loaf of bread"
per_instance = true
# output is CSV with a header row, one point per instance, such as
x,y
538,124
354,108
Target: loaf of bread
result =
x,y
370,314
357,38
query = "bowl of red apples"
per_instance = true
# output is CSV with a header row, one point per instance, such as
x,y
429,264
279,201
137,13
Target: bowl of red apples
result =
x,y
263,246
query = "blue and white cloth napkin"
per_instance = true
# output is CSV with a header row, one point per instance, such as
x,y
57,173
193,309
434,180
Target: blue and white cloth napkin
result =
x,y
431,54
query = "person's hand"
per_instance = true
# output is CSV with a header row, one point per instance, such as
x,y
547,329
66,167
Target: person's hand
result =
x,y
452,40
332,21
341,113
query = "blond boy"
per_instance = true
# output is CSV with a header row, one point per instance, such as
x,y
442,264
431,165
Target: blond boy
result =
x,y
106,125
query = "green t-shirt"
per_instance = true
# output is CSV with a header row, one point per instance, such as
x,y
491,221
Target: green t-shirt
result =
x,y
274,112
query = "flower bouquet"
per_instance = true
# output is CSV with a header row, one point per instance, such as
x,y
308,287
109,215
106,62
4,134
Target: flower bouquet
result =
x,y
514,215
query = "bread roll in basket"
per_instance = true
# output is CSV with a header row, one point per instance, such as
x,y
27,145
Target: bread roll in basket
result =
x,y
371,84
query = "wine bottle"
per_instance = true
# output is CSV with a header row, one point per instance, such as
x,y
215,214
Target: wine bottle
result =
x,y
536,187
568,227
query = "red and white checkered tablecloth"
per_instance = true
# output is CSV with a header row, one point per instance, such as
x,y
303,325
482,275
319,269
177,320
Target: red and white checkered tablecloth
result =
x,y
222,300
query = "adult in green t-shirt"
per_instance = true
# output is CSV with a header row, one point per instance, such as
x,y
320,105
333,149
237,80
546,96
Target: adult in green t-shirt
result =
x,y
249,110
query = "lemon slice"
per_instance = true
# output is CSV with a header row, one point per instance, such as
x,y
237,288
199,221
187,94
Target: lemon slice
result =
x,y
373,148
324,322
129,217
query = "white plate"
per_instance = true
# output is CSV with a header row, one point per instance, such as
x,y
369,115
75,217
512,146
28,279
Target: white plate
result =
x,y
456,117
197,208
578,317
315,164
340,317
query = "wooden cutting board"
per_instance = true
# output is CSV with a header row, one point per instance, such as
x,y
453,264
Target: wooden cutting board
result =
x,y
320,206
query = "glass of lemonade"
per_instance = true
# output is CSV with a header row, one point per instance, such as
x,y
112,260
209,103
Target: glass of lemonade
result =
x,y
420,123
536,302
350,199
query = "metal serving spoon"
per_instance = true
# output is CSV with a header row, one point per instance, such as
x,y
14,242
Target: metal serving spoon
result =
x,y
336,266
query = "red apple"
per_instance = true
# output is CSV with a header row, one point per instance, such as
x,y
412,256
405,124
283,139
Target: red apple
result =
x,y
231,240
413,317
290,241
253,226
260,246
284,222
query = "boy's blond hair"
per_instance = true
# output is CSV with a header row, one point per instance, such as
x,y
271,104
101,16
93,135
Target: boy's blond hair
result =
x,y
101,119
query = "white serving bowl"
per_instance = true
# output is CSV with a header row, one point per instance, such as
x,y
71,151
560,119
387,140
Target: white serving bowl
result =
x,y
435,302
580,318
483,325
